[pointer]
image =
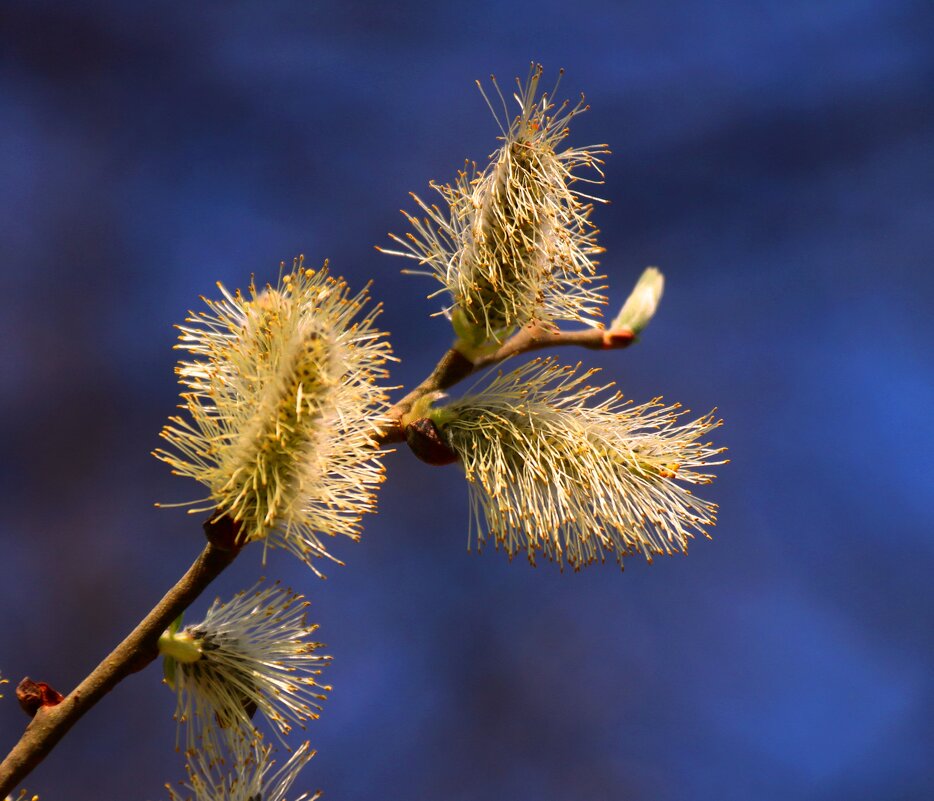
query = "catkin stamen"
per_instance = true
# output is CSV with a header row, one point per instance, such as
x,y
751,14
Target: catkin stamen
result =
x,y
552,472
283,408
282,426
515,243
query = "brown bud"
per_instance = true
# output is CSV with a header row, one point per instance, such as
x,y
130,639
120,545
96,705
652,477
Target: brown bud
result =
x,y
33,695
223,532
428,444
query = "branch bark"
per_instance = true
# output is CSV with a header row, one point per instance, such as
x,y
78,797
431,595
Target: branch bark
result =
x,y
135,652
51,723
454,366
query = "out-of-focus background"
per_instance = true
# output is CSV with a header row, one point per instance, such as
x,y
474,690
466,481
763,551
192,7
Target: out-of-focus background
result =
x,y
776,160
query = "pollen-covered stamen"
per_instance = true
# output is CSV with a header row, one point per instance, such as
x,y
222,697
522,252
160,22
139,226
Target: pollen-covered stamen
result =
x,y
23,794
507,262
283,426
283,411
255,655
530,232
550,471
250,775
515,243
239,680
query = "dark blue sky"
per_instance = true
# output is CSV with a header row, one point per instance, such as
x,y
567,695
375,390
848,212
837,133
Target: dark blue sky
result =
x,y
774,159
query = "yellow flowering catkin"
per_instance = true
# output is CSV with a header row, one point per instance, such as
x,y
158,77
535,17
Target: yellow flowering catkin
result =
x,y
283,408
251,776
255,652
552,472
514,243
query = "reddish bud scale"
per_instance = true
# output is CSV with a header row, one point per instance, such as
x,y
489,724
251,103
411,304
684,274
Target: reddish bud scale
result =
x,y
33,695
223,532
618,338
428,444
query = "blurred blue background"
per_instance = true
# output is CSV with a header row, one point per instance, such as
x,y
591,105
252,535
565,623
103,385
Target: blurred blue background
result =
x,y
776,160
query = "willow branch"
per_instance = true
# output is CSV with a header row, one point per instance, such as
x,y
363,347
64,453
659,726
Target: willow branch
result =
x,y
455,366
135,652
140,647
533,338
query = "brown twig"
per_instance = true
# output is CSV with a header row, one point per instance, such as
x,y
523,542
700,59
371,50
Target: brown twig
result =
x,y
454,366
139,649
51,722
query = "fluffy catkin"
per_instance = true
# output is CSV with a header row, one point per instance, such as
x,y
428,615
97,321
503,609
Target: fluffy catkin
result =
x,y
283,408
253,653
251,776
551,471
513,243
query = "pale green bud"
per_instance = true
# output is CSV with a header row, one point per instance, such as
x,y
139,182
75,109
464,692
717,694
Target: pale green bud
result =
x,y
180,646
642,302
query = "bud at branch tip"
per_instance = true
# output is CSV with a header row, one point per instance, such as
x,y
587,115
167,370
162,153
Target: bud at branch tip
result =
x,y
642,302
